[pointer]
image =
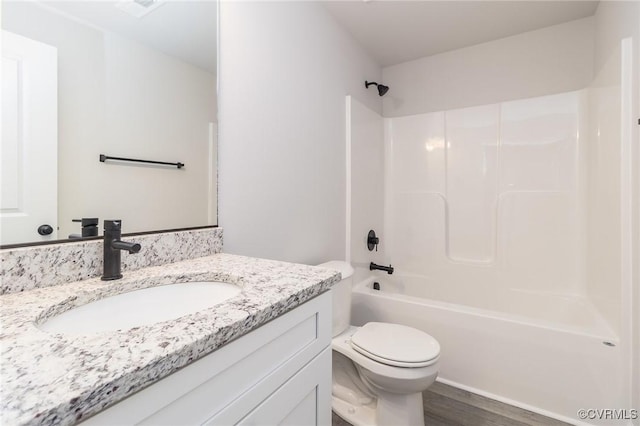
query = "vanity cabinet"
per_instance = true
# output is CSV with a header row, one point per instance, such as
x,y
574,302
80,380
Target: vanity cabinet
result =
x,y
279,373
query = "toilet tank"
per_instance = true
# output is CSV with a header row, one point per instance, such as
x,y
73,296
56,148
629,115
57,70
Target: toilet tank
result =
x,y
341,294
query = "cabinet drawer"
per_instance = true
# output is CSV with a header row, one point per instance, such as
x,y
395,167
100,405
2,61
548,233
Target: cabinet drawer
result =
x,y
260,361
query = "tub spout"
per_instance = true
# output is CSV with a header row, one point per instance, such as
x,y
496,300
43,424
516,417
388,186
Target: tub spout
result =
x,y
387,269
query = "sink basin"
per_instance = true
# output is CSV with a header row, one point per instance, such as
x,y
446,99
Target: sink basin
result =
x,y
141,307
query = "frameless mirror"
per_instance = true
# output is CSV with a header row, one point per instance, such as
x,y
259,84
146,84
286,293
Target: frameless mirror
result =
x,y
84,81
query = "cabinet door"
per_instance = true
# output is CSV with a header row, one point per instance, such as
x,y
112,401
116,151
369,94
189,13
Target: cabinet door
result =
x,y
303,400
229,383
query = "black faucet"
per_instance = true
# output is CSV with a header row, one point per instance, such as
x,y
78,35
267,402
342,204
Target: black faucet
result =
x,y
387,269
89,227
112,247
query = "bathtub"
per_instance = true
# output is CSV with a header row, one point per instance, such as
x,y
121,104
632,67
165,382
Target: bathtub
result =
x,y
549,354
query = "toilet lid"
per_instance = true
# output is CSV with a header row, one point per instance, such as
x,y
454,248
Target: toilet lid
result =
x,y
395,344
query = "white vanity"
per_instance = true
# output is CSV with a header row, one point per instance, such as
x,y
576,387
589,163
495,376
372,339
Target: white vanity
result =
x,y
261,356
279,374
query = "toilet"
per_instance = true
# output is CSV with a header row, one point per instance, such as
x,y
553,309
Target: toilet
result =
x,y
379,369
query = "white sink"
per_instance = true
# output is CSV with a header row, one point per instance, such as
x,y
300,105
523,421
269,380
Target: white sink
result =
x,y
141,307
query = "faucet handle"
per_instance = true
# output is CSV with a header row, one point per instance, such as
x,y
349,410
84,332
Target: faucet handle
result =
x,y
88,226
87,221
372,240
113,225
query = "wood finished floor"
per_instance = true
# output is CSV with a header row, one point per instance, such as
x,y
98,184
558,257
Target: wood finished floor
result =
x,y
448,406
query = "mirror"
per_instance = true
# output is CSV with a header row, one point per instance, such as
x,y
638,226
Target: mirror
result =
x,y
131,79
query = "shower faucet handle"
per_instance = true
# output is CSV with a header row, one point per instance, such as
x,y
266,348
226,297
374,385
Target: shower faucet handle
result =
x,y
372,240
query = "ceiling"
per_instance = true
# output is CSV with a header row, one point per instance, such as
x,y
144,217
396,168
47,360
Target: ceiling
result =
x,y
392,31
183,29
399,31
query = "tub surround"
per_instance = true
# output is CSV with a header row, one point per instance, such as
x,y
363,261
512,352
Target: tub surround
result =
x,y
42,266
53,378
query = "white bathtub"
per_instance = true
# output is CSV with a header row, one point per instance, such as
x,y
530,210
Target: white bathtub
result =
x,y
549,357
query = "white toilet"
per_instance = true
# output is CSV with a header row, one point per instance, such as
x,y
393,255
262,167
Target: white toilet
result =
x,y
379,369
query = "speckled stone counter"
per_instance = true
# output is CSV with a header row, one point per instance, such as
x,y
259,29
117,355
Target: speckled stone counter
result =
x,y
62,379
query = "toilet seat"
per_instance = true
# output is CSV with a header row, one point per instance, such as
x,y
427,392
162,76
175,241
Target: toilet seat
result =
x,y
342,344
395,345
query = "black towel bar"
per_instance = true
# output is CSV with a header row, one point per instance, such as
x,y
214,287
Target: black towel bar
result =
x,y
104,158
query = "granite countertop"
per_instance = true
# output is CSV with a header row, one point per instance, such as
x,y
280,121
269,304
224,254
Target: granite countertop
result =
x,y
62,379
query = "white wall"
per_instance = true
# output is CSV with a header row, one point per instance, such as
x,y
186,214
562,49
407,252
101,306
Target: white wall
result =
x,y
285,68
120,98
536,63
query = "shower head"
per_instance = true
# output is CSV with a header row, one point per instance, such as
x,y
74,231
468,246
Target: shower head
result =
x,y
382,89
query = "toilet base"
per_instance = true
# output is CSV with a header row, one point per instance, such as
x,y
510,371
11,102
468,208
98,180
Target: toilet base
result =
x,y
389,410
362,415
